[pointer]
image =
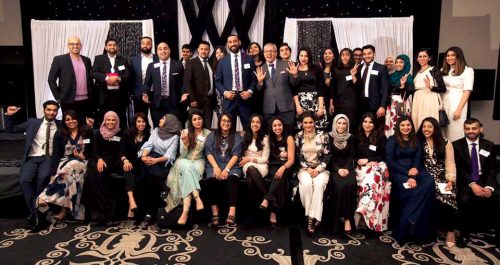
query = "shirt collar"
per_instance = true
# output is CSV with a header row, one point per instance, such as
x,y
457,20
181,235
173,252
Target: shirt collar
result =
x,y
111,57
469,142
273,63
143,55
168,61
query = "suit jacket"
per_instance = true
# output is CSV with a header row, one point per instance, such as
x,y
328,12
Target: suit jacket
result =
x,y
277,90
101,67
197,83
224,76
62,69
378,87
136,74
153,78
463,164
31,128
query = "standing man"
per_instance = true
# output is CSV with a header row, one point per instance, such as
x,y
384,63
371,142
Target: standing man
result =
x,y
138,66
186,54
373,85
274,79
199,83
235,81
37,163
477,182
285,52
358,55
111,72
74,89
165,77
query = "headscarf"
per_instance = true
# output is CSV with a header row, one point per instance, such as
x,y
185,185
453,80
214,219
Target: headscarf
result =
x,y
171,127
106,133
396,76
340,139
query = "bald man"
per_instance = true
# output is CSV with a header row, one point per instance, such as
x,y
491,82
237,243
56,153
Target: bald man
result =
x,y
162,86
69,80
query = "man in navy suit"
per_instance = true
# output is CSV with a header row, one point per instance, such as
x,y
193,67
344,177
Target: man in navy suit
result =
x,y
38,150
372,85
165,77
138,66
236,81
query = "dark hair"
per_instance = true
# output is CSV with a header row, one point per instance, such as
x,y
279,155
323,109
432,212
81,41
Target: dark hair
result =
x,y
322,59
260,55
232,35
350,64
285,44
369,46
437,138
185,46
416,64
272,136
473,120
307,114
132,131
412,138
203,42
357,49
460,62
213,59
110,39
230,137
82,128
311,68
51,102
372,138
191,133
248,137
146,37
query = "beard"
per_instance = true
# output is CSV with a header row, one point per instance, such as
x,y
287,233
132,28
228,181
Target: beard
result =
x,y
146,50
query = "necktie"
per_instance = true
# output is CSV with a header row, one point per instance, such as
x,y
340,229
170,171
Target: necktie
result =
x,y
205,66
273,70
363,78
164,85
474,163
236,73
47,140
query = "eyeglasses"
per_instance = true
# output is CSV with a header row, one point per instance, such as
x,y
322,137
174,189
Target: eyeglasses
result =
x,y
226,121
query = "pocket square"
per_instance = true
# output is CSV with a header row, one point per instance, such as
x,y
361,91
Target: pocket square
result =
x,y
283,72
175,73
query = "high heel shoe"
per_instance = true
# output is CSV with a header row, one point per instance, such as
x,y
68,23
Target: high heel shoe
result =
x,y
311,225
231,220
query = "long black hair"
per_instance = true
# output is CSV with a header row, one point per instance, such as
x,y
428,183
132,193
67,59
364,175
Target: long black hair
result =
x,y
132,131
82,128
311,67
191,132
437,138
372,138
350,64
230,136
272,136
412,138
248,137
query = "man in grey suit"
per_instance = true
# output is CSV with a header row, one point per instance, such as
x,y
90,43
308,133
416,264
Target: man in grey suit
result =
x,y
274,79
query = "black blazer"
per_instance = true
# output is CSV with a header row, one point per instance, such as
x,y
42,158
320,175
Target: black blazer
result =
x,y
102,66
153,78
197,83
378,88
136,75
462,162
62,69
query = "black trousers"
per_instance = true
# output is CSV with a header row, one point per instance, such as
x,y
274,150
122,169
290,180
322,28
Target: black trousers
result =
x,y
83,109
218,188
276,193
478,214
446,216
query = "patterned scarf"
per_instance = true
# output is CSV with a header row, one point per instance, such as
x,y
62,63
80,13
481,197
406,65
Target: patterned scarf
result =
x,y
340,139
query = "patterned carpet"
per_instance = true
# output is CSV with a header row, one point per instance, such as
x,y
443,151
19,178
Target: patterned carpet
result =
x,y
127,243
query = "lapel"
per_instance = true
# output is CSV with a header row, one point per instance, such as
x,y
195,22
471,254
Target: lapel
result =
x,y
466,152
481,157
70,64
107,63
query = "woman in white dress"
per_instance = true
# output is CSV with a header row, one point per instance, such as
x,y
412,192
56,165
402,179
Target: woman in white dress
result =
x,y
459,79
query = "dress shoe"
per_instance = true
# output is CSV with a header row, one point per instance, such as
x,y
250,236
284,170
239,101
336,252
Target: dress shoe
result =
x,y
36,225
462,242
30,219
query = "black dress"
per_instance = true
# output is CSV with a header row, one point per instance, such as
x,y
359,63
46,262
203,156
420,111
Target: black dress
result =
x,y
344,188
129,148
277,194
344,95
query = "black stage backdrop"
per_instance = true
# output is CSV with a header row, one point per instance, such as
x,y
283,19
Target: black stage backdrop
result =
x,y
427,16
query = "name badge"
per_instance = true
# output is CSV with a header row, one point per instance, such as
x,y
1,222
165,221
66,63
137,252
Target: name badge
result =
x,y
484,153
200,138
373,148
116,138
246,66
374,72
86,141
348,77
156,65
121,67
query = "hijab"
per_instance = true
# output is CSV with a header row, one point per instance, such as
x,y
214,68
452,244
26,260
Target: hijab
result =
x,y
171,127
340,139
396,76
106,133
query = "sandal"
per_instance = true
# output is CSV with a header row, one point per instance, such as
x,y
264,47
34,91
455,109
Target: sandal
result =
x,y
311,225
215,221
230,220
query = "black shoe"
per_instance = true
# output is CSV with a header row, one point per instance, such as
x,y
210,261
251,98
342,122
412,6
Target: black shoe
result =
x,y
36,225
462,242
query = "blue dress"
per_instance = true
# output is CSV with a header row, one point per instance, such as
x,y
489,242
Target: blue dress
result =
x,y
411,209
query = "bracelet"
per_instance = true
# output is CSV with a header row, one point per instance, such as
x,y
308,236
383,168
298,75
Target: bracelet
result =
x,y
226,169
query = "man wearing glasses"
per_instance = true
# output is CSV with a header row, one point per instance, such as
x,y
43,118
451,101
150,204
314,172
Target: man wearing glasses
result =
x,y
74,87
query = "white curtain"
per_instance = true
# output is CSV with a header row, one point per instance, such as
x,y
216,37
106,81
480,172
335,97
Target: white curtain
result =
x,y
390,36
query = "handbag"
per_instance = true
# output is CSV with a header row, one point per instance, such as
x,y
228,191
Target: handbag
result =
x,y
443,117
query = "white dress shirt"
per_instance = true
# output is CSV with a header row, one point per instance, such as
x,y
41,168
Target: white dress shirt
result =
x,y
367,83
145,61
39,143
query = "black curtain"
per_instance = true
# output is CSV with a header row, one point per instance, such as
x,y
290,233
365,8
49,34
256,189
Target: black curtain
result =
x,y
127,35
309,32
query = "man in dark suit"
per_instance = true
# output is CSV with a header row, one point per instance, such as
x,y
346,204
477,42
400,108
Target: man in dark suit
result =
x,y
74,89
111,72
477,182
235,80
165,77
372,85
274,79
186,54
38,150
199,83
138,66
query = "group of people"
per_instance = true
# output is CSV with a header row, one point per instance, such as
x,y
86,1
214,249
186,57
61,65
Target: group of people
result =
x,y
368,135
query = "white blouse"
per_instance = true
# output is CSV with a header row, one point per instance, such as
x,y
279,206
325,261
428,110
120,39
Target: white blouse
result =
x,y
465,81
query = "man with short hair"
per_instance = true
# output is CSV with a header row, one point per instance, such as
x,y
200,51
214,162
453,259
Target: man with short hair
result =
x,y
186,54
285,52
38,149
70,82
358,55
477,182
138,66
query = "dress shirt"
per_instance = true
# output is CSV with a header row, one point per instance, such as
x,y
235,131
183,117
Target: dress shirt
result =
x,y
145,61
39,143
367,83
269,68
210,75
240,67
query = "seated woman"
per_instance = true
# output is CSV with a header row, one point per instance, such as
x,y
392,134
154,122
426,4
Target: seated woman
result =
x,y
132,141
158,154
222,149
183,179
106,160
72,147
374,187
281,159
313,151
413,192
439,161
343,174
